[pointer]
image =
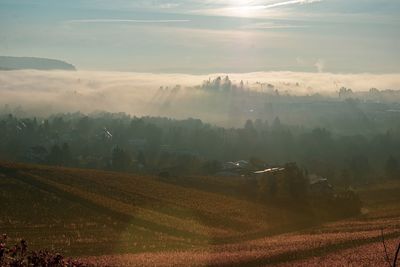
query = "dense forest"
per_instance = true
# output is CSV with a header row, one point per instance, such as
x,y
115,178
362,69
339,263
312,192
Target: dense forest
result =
x,y
157,145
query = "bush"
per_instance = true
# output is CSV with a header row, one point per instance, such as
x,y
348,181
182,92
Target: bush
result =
x,y
19,256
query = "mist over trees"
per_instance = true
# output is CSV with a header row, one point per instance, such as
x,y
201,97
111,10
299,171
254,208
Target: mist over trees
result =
x,y
153,145
226,103
330,101
350,137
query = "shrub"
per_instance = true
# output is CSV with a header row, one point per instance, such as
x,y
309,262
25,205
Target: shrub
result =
x,y
19,256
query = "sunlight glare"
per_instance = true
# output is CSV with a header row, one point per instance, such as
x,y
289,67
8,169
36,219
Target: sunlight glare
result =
x,y
243,8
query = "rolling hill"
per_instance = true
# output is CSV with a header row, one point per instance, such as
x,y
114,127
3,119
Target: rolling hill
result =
x,y
94,206
117,219
23,63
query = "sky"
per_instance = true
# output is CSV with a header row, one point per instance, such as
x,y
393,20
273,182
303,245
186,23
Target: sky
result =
x,y
200,37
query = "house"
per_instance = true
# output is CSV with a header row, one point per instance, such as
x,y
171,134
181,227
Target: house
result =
x,y
247,168
235,165
235,168
270,171
319,186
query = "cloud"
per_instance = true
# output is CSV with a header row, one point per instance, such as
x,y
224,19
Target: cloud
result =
x,y
292,2
248,9
126,21
270,26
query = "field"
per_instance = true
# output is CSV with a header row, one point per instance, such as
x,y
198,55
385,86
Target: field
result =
x,y
116,219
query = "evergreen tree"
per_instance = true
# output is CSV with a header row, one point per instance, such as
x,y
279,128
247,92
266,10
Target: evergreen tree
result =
x,y
55,156
141,158
120,159
392,168
66,154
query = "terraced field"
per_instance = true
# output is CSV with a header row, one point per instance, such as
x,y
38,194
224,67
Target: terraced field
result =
x,y
118,219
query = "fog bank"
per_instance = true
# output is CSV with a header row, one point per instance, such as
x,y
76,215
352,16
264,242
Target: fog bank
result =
x,y
46,92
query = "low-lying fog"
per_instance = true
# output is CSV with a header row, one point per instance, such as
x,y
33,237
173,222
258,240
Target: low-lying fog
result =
x,y
172,95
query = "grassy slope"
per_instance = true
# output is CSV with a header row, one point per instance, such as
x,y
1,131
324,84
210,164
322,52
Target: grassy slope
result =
x,y
94,212
86,212
350,242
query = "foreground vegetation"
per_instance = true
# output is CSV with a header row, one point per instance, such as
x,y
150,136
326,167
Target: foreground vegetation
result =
x,y
19,255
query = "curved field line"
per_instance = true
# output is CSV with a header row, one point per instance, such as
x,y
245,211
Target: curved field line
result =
x,y
52,187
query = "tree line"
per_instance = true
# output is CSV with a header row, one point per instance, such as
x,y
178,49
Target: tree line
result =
x,y
153,144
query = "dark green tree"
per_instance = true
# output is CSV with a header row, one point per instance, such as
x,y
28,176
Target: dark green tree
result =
x,y
120,159
56,155
392,168
66,154
360,168
295,182
141,159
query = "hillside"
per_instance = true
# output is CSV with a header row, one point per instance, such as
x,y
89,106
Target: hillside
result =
x,y
22,63
99,211
132,220
350,242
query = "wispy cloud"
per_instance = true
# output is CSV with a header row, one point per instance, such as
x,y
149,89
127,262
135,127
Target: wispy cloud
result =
x,y
249,8
292,2
127,21
269,26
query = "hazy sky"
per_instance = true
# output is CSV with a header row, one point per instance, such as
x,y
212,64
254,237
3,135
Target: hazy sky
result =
x,y
194,36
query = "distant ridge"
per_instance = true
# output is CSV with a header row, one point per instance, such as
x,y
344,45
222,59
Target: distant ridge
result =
x,y
23,63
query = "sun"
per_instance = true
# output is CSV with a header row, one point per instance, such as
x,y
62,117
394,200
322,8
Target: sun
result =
x,y
243,8
240,2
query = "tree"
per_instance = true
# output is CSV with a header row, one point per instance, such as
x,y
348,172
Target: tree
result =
x,y
241,85
295,182
258,125
60,155
268,186
120,159
345,93
249,126
250,131
141,159
55,156
392,168
211,166
277,125
227,84
66,154
360,168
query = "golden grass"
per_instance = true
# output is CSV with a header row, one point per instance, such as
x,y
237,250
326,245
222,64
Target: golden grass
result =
x,y
132,220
